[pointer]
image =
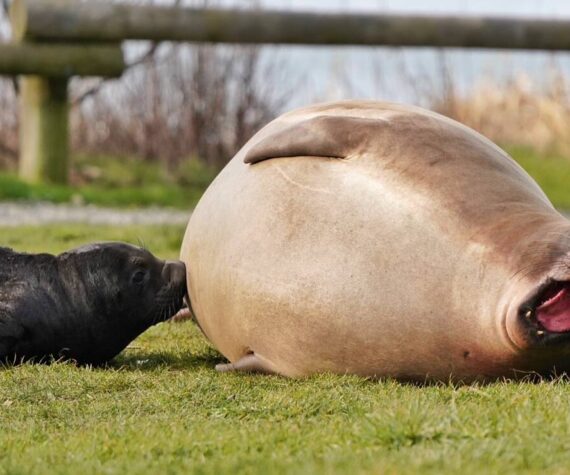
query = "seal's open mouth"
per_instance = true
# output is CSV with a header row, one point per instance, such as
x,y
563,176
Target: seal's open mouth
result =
x,y
552,307
546,314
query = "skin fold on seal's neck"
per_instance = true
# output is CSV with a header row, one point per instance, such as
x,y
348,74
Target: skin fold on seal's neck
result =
x,y
502,291
538,314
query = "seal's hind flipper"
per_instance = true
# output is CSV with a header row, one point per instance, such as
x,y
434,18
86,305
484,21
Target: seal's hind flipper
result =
x,y
324,136
250,363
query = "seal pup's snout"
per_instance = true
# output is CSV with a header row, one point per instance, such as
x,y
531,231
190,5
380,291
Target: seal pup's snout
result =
x,y
173,276
174,272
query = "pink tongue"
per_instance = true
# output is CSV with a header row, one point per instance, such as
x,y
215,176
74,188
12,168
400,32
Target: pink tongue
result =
x,y
554,314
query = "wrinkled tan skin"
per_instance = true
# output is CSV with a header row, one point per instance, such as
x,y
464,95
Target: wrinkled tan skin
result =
x,y
408,257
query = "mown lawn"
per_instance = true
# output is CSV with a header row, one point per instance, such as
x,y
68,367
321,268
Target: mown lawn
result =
x,y
161,408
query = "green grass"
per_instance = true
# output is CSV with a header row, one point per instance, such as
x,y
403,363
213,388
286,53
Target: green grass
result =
x,y
117,182
128,182
551,171
161,408
163,241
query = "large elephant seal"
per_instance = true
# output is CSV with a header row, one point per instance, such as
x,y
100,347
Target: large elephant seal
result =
x,y
86,305
380,240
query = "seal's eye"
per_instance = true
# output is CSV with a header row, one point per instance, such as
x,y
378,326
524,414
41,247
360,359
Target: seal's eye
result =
x,y
138,277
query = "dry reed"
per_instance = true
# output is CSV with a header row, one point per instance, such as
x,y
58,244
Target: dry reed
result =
x,y
519,112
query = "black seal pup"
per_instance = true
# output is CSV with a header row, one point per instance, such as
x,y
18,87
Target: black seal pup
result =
x,y
86,304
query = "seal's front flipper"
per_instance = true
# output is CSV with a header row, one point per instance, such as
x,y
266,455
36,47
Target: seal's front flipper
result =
x,y
324,136
250,363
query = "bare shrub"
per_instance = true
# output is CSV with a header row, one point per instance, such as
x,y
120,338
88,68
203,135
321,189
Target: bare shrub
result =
x,y
8,124
180,101
189,101
176,102
4,21
8,104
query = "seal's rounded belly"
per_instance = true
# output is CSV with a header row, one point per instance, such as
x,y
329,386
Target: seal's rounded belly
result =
x,y
381,240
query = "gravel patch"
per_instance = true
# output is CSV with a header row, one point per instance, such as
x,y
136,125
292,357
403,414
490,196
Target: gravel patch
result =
x,y
37,214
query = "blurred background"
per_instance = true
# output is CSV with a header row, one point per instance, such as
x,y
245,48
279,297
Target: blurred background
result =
x,y
181,111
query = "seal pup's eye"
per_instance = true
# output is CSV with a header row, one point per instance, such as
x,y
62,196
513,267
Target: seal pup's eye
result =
x,y
138,277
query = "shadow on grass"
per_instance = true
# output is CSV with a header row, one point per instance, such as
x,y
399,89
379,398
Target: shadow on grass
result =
x,y
135,360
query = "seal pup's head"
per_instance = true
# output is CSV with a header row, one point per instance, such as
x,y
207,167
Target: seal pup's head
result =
x,y
87,304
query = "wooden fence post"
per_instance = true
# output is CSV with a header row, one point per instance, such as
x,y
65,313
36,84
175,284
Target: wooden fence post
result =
x,y
44,125
44,104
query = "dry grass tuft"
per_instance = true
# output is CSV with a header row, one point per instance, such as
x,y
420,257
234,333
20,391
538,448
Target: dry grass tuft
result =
x,y
519,112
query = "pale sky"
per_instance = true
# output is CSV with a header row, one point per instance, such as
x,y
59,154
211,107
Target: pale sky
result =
x,y
379,72
533,8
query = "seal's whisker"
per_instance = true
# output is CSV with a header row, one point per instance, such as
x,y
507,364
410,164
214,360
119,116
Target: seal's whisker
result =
x,y
141,243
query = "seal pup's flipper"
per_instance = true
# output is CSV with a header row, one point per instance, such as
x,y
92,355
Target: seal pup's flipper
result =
x,y
250,363
6,348
323,136
10,333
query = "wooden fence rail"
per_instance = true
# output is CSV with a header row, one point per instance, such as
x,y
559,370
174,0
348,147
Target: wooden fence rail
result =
x,y
61,38
61,60
102,21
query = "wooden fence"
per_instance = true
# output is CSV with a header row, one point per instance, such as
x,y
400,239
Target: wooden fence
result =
x,y
54,40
